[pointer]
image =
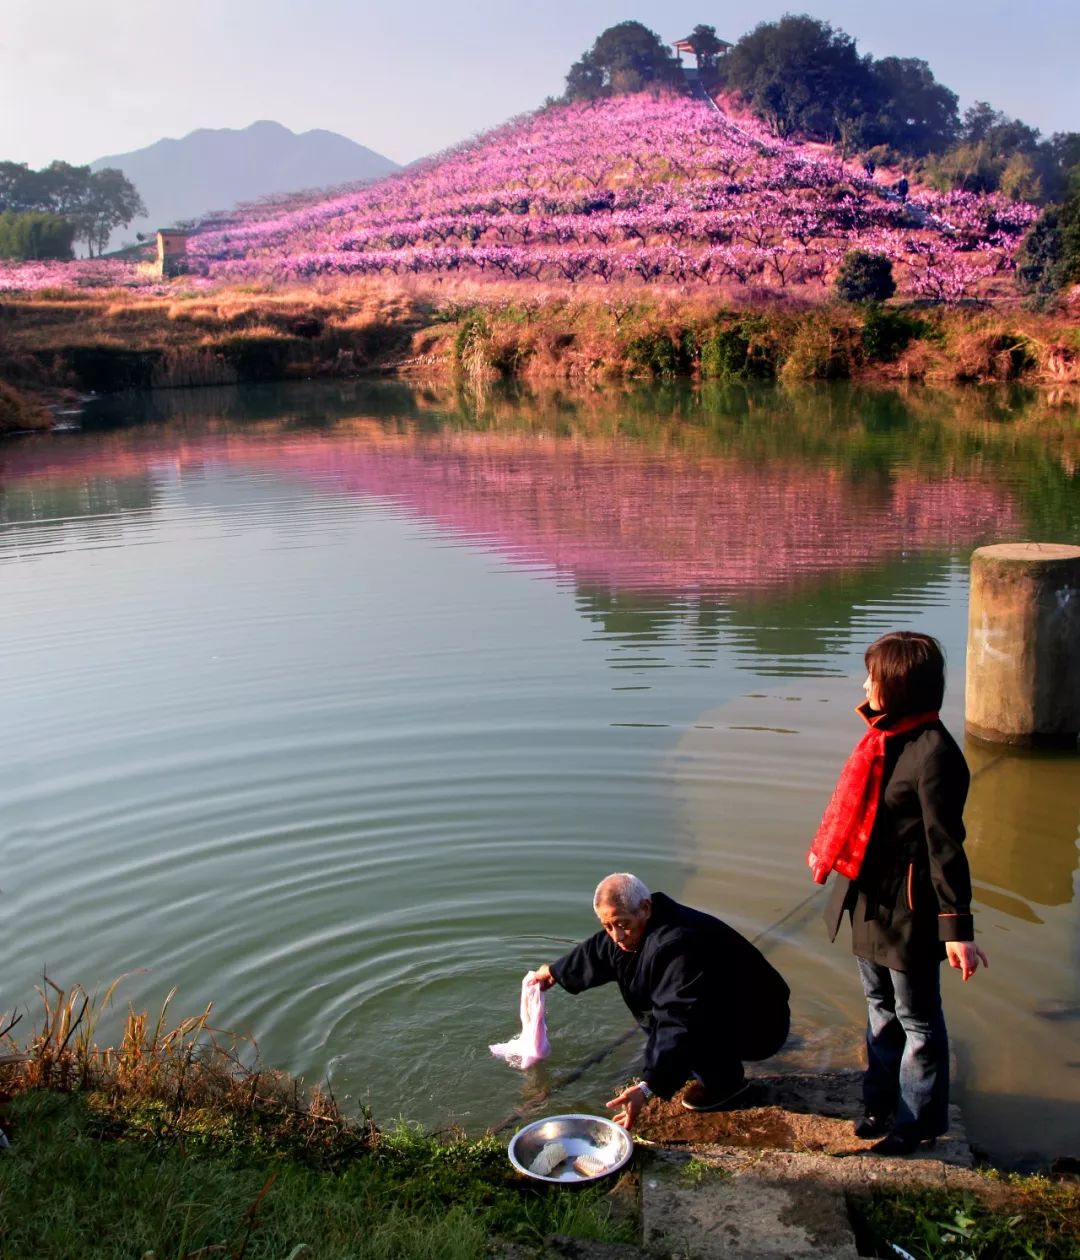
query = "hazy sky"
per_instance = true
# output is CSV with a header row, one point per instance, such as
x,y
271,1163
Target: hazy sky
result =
x,y
81,81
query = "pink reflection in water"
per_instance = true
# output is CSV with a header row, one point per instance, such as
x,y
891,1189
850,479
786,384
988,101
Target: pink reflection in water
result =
x,y
603,511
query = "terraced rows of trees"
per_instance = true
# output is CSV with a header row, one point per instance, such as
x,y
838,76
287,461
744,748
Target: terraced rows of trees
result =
x,y
643,187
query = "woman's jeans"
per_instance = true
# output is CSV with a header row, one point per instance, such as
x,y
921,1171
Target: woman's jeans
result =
x,y
907,1048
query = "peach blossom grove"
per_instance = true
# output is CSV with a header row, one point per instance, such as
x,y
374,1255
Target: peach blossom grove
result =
x,y
635,189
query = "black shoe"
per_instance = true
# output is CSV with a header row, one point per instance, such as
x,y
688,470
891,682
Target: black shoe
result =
x,y
896,1144
698,1098
872,1126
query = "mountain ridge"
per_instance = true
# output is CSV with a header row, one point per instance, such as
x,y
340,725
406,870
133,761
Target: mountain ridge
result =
x,y
181,178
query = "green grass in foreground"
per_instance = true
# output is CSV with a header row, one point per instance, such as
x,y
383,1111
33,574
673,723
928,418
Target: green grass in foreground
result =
x,y
71,1186
1040,1222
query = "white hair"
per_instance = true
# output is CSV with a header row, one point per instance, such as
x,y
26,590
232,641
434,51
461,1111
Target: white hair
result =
x,y
622,890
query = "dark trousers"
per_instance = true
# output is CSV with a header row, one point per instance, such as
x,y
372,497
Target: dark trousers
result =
x,y
719,1063
907,1048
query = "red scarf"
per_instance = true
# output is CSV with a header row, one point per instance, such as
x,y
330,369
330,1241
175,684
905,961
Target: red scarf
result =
x,y
841,840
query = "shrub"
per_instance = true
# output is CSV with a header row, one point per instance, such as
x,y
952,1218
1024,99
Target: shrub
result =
x,y
886,334
724,355
260,356
658,354
817,351
1049,258
736,353
865,277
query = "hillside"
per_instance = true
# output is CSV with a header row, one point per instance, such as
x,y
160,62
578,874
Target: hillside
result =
x,y
638,188
216,169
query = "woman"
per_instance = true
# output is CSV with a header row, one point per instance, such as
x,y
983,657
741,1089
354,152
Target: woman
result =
x,y
894,834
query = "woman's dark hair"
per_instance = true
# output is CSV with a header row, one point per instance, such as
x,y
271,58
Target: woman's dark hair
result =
x,y
909,670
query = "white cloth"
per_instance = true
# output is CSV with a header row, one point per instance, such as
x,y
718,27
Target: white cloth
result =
x,y
531,1044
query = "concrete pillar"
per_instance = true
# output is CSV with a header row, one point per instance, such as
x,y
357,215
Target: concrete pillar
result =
x,y
1023,649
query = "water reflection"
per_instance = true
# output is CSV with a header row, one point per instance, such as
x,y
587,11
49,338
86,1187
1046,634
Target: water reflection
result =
x,y
713,513
1023,819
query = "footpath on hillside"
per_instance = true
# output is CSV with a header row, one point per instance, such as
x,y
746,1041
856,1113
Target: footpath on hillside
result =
x,y
770,1180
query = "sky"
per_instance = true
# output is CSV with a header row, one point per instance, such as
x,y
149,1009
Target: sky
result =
x,y
79,82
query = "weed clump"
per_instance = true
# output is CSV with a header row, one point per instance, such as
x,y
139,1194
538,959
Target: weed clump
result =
x,y
818,349
474,346
1036,1220
19,412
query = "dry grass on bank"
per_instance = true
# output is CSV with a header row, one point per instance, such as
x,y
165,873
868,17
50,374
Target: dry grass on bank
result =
x,y
184,1079
490,329
20,412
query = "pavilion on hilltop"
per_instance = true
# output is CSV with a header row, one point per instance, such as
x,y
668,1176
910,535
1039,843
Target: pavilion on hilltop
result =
x,y
686,46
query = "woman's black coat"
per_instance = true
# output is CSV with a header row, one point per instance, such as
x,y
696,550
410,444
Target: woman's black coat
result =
x,y
913,892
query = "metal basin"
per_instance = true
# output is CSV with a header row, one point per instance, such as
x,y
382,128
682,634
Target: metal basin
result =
x,y
594,1136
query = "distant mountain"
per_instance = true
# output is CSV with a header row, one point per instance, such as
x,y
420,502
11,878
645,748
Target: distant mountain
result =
x,y
214,169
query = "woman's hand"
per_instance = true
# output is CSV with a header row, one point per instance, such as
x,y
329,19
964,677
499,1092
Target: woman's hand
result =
x,y
965,956
543,977
631,1101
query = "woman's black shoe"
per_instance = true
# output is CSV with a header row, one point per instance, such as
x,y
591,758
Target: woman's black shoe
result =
x,y
895,1144
871,1126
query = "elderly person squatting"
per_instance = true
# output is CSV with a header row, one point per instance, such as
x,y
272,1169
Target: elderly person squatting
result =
x,y
706,997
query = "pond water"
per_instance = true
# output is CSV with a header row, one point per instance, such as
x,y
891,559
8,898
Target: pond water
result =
x,y
331,703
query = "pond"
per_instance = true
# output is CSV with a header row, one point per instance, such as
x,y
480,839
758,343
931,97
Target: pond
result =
x,y
330,703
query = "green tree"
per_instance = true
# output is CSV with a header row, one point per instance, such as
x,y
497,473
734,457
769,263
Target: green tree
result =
x,y
112,201
914,113
1000,135
707,47
994,152
586,80
18,187
1060,165
801,75
61,188
95,202
625,58
34,235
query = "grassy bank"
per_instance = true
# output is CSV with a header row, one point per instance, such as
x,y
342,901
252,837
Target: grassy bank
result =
x,y
114,340
176,1143
80,1183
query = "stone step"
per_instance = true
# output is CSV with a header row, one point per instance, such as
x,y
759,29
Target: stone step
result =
x,y
772,1179
724,1204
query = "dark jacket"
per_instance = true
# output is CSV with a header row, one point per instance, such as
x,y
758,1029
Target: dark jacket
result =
x,y
913,892
694,985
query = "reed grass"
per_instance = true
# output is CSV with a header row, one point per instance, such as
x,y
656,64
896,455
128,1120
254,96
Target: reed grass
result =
x,y
186,1079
